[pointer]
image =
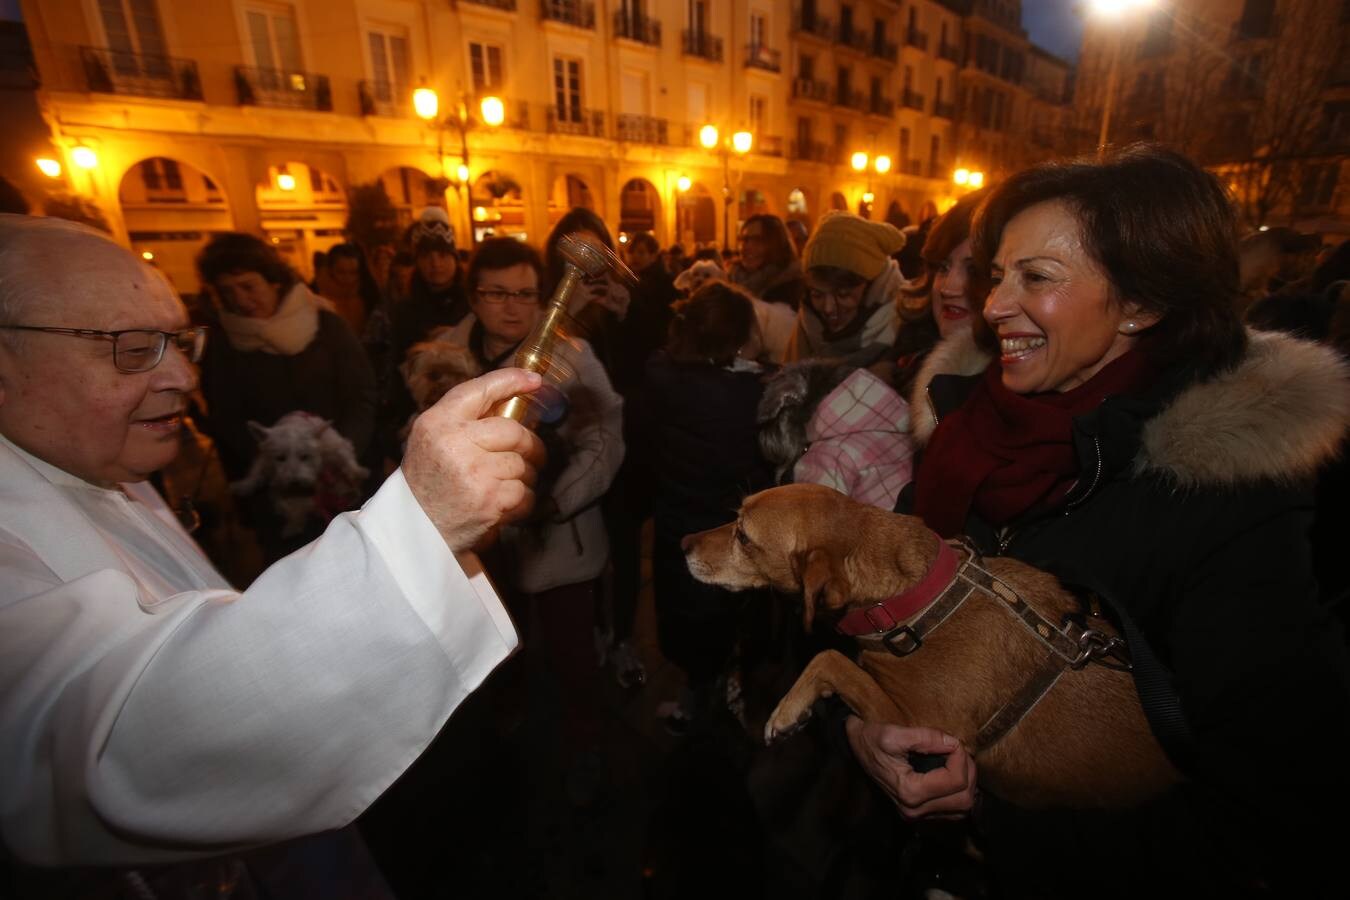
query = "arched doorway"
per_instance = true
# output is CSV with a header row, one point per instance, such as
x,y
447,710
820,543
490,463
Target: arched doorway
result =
x,y
697,218
838,201
498,207
751,201
569,192
171,210
303,211
639,207
411,190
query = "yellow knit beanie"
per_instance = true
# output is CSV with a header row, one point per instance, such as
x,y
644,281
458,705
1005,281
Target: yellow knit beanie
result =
x,y
846,241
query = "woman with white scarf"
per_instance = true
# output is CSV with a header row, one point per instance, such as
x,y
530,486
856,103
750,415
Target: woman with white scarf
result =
x,y
282,350
850,313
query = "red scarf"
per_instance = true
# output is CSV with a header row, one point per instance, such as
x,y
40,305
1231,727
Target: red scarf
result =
x,y
1004,453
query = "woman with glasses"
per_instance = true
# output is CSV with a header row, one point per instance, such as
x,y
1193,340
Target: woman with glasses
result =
x,y
850,313
549,566
277,351
768,266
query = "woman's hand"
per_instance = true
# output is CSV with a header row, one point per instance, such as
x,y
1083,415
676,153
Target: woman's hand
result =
x,y
883,749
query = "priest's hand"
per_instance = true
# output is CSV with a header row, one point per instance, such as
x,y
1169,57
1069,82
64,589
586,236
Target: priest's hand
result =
x,y
471,472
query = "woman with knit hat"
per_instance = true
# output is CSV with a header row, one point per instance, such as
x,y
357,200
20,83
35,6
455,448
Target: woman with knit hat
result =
x,y
850,311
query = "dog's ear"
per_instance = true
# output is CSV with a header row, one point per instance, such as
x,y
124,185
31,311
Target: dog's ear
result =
x,y
258,431
823,584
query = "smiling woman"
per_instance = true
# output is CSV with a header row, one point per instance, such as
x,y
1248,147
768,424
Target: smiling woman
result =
x,y
1130,437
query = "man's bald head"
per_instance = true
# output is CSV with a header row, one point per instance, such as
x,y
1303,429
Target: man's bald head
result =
x,y
47,262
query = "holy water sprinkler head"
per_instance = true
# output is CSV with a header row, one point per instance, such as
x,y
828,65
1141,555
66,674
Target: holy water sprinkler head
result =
x,y
594,260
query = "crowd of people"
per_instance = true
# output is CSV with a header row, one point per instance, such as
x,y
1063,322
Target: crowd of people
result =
x,y
1085,367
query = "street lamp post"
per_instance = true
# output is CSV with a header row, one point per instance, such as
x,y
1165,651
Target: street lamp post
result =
x,y
1113,10
427,104
740,143
862,162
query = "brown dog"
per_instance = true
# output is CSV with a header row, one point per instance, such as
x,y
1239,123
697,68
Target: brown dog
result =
x,y
1083,743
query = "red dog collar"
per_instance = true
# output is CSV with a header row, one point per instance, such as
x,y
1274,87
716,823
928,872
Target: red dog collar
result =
x,y
882,617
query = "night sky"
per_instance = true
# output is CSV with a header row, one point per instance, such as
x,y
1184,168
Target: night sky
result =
x,y
1056,25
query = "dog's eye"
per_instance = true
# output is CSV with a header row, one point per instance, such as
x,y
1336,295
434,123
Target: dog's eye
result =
x,y
741,536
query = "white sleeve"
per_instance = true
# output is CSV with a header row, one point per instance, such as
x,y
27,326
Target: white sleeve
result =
x,y
140,733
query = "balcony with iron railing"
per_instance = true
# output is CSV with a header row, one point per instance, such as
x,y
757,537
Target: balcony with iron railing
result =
x,y
507,5
944,109
140,74
568,12
636,129
878,105
811,89
383,98
854,39
884,50
912,99
636,27
912,167
575,120
757,56
849,99
815,26
701,44
949,52
916,38
811,151
283,90
768,145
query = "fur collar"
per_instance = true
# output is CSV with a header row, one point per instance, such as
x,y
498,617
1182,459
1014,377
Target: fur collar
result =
x,y
957,355
1281,414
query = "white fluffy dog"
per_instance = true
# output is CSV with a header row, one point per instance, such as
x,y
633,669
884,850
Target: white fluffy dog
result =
x,y
699,274
308,467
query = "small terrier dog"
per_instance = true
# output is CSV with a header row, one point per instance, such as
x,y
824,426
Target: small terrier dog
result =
x,y
434,367
308,467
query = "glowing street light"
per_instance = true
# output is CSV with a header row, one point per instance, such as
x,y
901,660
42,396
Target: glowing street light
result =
x,y
858,161
976,180
683,183
494,111
1113,10
147,256
868,197
426,103
285,180
961,176
742,141
1110,9
882,164
707,136
84,157
48,166
462,173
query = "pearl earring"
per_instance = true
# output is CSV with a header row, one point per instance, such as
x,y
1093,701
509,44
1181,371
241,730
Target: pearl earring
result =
x,y
1131,326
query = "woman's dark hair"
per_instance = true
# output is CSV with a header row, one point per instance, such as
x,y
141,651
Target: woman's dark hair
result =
x,y
645,239
234,252
1164,232
712,325
345,251
778,248
579,218
945,234
502,253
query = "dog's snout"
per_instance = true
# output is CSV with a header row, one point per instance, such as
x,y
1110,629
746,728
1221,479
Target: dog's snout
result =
x,y
687,542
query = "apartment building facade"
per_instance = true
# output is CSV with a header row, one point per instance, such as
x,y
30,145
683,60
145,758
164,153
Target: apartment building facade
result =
x,y
1256,90
262,115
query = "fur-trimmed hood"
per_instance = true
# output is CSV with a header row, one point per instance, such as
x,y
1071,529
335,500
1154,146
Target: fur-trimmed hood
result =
x,y
1280,414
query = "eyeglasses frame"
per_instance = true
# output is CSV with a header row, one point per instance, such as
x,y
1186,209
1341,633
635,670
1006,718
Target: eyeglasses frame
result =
x,y
193,353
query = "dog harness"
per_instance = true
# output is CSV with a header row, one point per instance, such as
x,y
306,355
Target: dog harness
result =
x,y
900,623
